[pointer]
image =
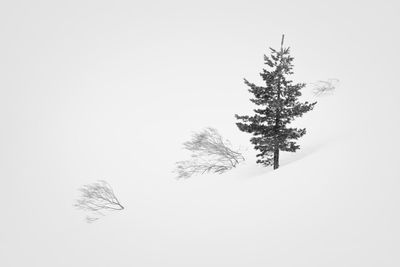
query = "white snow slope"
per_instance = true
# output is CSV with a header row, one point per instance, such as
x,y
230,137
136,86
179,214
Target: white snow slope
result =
x,y
98,91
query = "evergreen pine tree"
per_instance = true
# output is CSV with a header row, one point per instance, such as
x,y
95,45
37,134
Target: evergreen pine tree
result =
x,y
279,105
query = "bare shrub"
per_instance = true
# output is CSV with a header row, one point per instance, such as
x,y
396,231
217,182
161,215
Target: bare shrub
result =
x,y
210,153
324,87
96,199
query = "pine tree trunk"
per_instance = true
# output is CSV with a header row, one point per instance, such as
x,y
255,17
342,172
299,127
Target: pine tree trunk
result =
x,y
278,116
276,158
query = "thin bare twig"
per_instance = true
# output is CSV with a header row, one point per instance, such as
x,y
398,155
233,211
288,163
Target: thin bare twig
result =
x,y
210,153
97,198
324,87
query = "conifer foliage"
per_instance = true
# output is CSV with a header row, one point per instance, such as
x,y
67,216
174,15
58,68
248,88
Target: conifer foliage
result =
x,y
278,106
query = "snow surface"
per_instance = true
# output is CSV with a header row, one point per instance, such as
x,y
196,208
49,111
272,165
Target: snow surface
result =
x,y
98,91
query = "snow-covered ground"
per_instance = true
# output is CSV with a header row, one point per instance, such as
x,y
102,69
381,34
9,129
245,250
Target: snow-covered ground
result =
x,y
111,91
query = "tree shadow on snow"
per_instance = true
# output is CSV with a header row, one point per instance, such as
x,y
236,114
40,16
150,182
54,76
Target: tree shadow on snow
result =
x,y
289,158
250,169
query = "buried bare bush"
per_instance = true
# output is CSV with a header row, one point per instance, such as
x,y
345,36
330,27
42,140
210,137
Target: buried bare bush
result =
x,y
97,199
324,87
209,153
